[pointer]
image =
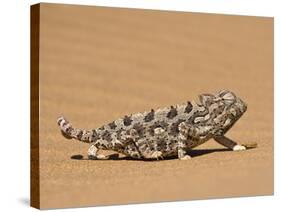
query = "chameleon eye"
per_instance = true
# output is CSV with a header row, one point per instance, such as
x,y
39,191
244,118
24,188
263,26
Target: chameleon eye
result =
x,y
229,96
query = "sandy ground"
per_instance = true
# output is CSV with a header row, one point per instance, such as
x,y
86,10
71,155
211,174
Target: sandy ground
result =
x,y
98,64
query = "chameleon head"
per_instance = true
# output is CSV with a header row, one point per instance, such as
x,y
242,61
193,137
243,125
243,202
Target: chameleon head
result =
x,y
225,108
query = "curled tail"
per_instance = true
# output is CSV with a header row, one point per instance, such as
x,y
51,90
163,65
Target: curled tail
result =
x,y
69,132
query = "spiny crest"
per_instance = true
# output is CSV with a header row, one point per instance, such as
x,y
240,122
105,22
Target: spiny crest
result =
x,y
150,116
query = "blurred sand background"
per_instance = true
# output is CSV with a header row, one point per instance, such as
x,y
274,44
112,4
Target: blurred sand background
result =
x,y
98,64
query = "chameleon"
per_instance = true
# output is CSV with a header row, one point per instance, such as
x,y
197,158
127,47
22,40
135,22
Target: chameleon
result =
x,y
165,132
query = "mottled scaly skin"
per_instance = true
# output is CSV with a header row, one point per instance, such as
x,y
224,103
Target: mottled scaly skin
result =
x,y
170,131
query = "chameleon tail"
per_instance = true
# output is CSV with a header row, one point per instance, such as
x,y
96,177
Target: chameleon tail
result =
x,y
69,132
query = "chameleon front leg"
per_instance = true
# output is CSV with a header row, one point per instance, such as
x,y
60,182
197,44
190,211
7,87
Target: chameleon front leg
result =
x,y
182,141
182,155
190,137
229,143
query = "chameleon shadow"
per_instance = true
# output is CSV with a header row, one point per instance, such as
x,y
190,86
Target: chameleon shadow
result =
x,y
192,153
200,152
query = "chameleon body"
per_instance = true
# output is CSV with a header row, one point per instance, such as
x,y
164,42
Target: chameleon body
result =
x,y
165,132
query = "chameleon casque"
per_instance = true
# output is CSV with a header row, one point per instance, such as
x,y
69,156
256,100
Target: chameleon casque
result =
x,y
165,132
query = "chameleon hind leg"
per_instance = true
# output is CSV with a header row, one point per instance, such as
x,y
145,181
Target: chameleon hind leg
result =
x,y
132,151
148,148
93,153
229,143
151,147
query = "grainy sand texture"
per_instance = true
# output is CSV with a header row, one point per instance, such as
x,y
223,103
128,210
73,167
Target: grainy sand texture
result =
x,y
98,64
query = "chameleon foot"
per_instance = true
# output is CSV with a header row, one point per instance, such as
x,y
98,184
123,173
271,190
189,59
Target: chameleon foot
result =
x,y
93,153
157,155
97,157
239,148
186,157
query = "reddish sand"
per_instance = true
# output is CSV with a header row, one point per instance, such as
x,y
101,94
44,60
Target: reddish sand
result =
x,y
98,64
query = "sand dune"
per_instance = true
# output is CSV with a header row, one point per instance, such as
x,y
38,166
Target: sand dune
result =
x,y
98,64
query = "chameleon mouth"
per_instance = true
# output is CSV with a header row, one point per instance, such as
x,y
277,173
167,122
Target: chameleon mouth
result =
x,y
242,106
239,109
